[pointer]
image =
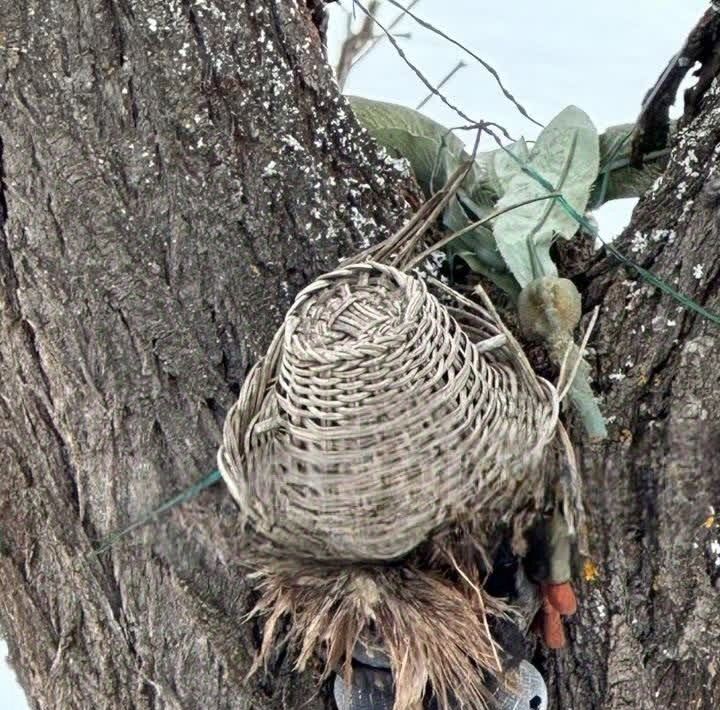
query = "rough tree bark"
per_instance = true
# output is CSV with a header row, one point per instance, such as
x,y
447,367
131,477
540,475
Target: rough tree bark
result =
x,y
173,171
647,634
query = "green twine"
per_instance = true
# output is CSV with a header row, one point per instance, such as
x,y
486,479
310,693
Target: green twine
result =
x,y
186,495
663,286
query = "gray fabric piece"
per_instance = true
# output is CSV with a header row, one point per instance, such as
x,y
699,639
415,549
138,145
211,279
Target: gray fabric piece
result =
x,y
531,691
371,654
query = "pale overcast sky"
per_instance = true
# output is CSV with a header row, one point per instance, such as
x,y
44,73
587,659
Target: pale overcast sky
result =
x,y
602,57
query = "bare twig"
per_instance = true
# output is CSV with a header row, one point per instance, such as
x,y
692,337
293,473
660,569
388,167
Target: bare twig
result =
x,y
391,27
417,72
481,125
442,83
355,42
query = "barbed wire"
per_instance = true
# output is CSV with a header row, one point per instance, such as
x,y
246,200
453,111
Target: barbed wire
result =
x,y
379,38
487,127
486,65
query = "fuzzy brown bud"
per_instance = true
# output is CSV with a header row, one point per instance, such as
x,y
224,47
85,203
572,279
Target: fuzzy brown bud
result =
x,y
549,308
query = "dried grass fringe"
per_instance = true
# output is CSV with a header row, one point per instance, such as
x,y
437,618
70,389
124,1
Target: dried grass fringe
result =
x,y
434,631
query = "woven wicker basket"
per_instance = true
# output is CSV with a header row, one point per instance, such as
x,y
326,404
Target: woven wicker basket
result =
x,y
381,414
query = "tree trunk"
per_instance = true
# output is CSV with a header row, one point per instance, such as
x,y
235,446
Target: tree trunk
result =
x,y
647,634
172,174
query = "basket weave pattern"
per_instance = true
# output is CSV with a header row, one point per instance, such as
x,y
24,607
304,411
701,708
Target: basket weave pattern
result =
x,y
381,414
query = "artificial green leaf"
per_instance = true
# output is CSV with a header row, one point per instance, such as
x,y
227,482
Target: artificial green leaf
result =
x,y
479,240
580,392
431,149
566,159
434,153
505,280
476,209
505,167
583,399
617,178
377,116
477,248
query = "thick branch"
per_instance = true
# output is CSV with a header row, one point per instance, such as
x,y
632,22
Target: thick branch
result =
x,y
653,124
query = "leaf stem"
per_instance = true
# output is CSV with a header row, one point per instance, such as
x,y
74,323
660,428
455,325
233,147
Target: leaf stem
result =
x,y
474,225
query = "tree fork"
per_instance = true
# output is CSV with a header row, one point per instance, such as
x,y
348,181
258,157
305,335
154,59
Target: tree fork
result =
x,y
173,173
